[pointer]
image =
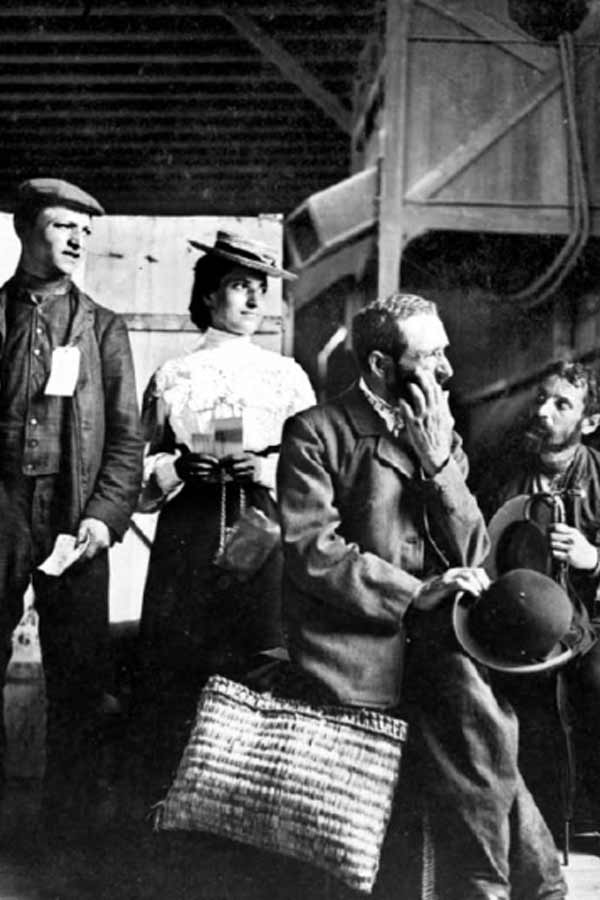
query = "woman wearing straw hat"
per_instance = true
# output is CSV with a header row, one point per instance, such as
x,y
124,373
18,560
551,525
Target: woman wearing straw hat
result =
x,y
213,421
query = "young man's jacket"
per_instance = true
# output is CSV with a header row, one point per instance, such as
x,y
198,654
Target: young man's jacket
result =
x,y
104,440
361,528
584,477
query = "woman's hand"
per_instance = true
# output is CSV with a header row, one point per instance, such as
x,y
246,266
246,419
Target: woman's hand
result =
x,y
196,468
242,467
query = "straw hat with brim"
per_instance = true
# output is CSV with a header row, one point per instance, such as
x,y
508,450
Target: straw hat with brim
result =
x,y
518,534
244,251
522,624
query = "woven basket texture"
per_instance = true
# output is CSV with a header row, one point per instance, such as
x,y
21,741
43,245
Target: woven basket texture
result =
x,y
314,784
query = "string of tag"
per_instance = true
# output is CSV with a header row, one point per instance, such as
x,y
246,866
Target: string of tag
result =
x,y
224,531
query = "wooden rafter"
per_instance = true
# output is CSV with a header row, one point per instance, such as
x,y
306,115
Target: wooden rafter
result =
x,y
109,36
174,77
238,172
125,59
512,219
150,57
127,96
288,65
168,131
195,140
162,10
391,224
211,115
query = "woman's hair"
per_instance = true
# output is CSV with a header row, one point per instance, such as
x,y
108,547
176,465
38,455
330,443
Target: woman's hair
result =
x,y
208,273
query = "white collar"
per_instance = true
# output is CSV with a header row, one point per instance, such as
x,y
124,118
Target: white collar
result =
x,y
214,338
391,415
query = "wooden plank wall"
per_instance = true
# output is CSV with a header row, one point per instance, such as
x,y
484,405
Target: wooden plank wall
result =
x,y
485,117
454,89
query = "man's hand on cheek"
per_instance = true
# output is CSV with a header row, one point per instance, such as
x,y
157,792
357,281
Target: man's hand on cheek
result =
x,y
429,422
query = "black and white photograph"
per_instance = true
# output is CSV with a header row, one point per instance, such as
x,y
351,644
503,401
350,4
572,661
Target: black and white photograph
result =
x,y
300,450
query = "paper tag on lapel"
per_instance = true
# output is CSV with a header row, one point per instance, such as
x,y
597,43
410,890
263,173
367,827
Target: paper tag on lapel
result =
x,y
64,372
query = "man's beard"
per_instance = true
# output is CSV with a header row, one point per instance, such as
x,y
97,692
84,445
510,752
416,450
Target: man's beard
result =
x,y
538,441
403,377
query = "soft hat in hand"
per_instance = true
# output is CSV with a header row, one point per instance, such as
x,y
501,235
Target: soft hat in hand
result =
x,y
523,623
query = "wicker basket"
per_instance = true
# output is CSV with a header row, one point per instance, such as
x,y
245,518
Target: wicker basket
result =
x,y
315,784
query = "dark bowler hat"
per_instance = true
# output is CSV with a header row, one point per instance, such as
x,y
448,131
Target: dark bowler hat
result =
x,y
38,193
523,623
250,253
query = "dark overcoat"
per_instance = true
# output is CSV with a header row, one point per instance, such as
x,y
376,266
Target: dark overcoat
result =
x,y
362,527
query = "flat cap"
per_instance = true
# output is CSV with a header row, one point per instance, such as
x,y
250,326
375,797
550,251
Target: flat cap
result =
x,y
38,193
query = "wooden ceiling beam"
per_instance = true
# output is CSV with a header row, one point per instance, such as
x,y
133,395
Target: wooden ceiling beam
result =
x,y
196,131
31,142
288,66
223,166
238,172
290,116
177,152
79,96
192,9
88,102
125,59
234,171
151,37
77,59
174,77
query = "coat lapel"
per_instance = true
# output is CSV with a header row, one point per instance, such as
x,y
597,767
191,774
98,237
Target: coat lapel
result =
x,y
366,423
83,316
2,317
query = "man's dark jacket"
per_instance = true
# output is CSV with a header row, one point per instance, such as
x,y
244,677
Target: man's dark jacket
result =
x,y
362,527
583,477
104,434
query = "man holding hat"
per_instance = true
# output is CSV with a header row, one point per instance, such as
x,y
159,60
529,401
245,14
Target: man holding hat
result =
x,y
70,463
547,520
380,533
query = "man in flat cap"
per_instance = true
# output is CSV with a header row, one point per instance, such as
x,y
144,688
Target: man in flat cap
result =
x,y
70,463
